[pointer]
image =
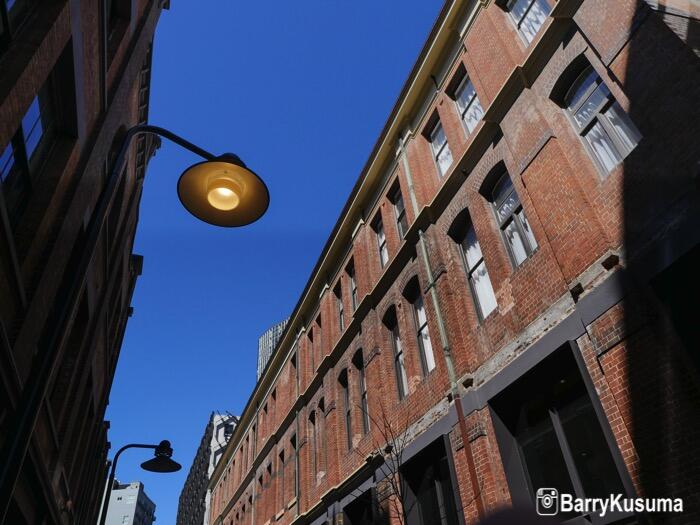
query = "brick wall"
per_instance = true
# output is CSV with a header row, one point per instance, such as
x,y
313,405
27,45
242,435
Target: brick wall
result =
x,y
589,227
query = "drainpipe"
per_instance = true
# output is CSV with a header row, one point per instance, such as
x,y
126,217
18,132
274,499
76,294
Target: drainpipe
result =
x,y
444,341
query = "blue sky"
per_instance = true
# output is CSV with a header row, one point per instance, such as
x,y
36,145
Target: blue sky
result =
x,y
300,91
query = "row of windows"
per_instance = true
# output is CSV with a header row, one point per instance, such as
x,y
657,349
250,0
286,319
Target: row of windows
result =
x,y
606,130
608,135
528,16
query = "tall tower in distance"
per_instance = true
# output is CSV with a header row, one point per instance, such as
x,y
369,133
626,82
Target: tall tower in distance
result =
x,y
267,343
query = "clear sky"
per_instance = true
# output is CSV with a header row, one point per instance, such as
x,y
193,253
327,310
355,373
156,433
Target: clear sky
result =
x,y
300,91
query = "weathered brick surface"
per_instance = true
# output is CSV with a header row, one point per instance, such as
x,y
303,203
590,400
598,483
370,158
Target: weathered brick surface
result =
x,y
579,217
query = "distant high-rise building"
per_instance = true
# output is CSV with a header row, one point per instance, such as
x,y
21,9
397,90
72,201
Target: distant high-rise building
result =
x,y
193,507
267,343
129,505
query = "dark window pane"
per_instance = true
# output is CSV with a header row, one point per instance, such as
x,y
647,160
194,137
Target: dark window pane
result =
x,y
589,449
430,498
540,450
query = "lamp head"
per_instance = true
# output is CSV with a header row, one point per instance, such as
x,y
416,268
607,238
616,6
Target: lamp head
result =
x,y
223,192
162,462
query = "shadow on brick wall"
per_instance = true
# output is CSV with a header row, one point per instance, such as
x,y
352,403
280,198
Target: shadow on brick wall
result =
x,y
661,231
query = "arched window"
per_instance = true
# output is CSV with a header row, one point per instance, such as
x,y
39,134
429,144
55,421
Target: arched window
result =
x,y
468,105
345,394
392,324
358,361
314,441
511,217
321,428
420,322
605,128
463,233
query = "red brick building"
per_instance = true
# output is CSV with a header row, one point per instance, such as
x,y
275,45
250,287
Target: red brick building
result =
x,y
74,76
506,297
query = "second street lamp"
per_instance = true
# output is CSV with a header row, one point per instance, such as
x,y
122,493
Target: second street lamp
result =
x,y
221,191
162,462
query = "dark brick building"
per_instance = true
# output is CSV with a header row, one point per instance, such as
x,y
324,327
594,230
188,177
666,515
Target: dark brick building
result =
x,y
73,77
507,297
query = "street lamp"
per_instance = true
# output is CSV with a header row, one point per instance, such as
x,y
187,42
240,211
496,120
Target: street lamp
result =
x,y
221,191
161,463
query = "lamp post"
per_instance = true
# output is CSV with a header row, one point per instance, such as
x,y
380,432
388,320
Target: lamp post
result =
x,y
221,191
162,463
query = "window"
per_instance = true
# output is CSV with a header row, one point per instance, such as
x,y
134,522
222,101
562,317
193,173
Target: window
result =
x,y
358,361
605,128
21,159
345,387
118,14
441,149
312,350
338,292
314,442
12,15
281,476
528,16
429,496
512,220
477,274
318,345
353,285
420,320
547,423
293,445
400,211
378,227
399,364
470,110
321,424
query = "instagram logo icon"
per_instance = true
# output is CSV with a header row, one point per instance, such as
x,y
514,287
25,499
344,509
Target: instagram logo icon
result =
x,y
547,502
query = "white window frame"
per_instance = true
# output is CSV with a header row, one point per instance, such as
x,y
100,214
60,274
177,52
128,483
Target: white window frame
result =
x,y
425,345
472,269
472,104
440,149
598,114
518,22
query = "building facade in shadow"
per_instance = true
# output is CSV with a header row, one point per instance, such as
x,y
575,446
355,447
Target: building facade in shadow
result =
x,y
74,76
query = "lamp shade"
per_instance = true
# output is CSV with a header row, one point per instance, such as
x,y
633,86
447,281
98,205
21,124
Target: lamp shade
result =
x,y
223,192
161,464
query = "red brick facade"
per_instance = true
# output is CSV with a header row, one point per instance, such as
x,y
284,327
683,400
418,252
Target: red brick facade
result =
x,y
89,94
598,291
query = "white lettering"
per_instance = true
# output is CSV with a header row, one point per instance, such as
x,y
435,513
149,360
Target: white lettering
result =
x,y
616,503
566,502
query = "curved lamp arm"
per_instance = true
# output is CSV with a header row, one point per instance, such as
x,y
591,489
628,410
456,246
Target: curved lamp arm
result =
x,y
25,416
112,474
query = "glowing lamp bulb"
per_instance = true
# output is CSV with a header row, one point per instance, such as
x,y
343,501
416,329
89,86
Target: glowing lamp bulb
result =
x,y
223,194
